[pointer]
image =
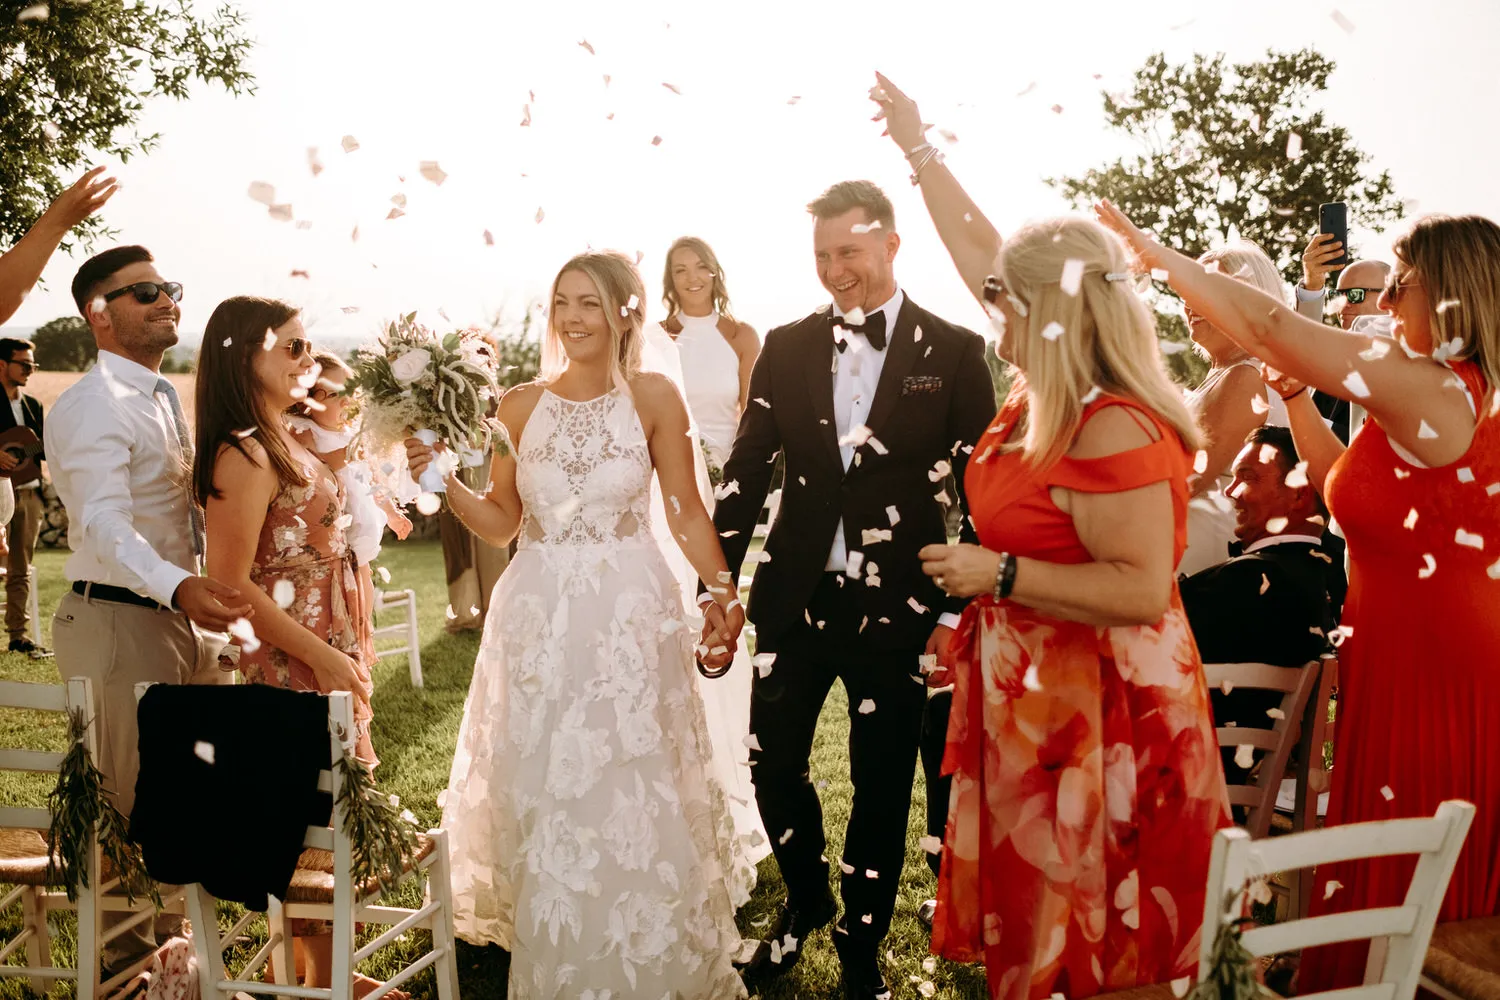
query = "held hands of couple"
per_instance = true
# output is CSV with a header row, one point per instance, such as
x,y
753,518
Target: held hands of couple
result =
x,y
721,631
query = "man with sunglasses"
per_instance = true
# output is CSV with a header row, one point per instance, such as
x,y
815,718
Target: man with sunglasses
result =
x,y
120,452
1360,284
16,365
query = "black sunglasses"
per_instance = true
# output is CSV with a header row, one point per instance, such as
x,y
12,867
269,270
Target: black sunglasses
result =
x,y
25,366
1354,296
146,292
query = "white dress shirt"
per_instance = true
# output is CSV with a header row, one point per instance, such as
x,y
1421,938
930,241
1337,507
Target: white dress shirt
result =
x,y
854,382
124,479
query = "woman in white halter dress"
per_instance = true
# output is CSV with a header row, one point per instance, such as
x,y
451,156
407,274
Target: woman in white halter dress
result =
x,y
709,355
1230,402
588,833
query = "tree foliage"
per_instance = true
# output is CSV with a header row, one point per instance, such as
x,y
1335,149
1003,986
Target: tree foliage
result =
x,y
64,345
73,85
1214,140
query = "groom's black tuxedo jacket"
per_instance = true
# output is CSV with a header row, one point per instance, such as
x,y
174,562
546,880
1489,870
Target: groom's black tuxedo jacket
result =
x,y
934,399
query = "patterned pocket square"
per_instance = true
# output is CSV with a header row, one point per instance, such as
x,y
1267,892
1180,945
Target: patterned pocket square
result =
x,y
915,385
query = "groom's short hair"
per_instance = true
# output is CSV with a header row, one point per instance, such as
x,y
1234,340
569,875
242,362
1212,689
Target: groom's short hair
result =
x,y
846,196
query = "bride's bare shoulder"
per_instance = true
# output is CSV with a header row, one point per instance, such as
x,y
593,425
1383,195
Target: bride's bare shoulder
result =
x,y
517,404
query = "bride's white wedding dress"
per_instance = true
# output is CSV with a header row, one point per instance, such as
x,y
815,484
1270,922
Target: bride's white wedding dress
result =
x,y
588,834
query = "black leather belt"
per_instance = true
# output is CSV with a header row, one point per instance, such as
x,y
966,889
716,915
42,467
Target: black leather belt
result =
x,y
117,595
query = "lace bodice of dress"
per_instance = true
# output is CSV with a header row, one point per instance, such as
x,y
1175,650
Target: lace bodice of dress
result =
x,y
583,471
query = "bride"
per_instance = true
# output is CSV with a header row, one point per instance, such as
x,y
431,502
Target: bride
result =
x,y
588,834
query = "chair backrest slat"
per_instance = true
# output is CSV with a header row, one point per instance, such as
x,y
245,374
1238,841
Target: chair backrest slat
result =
x,y
319,838
1347,842
30,760
22,818
1313,931
39,697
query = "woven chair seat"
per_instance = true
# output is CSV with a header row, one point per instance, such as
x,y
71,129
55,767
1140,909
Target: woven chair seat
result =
x,y
23,859
1464,957
313,880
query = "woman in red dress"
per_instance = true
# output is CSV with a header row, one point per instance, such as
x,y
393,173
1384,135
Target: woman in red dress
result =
x,y
1086,777
1418,495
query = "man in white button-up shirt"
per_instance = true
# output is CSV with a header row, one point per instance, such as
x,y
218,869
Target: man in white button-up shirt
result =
x,y
116,458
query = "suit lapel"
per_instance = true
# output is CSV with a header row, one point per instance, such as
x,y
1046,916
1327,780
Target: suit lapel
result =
x,y
901,353
819,371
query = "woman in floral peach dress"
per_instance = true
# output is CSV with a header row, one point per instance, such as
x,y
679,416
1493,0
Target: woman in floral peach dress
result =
x,y
276,531
1086,777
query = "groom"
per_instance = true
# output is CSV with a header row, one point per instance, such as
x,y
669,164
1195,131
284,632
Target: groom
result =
x,y
871,404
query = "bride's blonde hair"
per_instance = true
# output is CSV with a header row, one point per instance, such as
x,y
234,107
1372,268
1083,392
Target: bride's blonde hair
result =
x,y
1107,339
623,297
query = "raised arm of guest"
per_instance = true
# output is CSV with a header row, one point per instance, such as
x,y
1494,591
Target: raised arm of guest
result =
x,y
1416,399
971,240
22,265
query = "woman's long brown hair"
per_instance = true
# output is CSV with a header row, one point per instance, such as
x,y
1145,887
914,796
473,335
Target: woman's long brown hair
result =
x,y
228,391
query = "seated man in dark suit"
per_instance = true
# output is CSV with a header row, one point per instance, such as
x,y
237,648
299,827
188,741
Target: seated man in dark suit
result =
x,y
1270,603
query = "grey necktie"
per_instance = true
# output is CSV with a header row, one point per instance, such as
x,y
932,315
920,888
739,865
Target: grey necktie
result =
x,y
180,422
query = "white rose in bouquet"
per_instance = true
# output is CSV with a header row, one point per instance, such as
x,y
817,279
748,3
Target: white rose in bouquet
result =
x,y
409,366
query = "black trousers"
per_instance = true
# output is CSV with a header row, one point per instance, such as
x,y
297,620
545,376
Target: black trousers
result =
x,y
887,695
934,740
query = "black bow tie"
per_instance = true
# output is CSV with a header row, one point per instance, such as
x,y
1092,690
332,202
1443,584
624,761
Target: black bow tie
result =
x,y
1236,549
873,329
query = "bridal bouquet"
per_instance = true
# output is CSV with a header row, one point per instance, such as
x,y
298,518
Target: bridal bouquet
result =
x,y
436,389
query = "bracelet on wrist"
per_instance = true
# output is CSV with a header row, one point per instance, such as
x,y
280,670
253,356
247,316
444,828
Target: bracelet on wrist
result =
x,y
1288,399
1005,576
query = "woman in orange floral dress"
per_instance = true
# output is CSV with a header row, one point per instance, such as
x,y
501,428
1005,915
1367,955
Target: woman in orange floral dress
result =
x,y
276,525
1087,784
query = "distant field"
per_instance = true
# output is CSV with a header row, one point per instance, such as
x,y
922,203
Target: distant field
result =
x,y
47,386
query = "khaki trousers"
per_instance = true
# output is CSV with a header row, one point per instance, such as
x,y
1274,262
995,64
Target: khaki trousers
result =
x,y
25,523
117,646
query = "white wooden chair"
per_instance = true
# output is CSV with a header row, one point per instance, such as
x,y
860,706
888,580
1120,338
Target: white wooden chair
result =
x,y
23,864
1398,935
1296,685
411,644
33,606
323,889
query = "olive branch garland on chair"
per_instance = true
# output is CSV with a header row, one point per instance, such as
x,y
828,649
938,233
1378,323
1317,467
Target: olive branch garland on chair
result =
x,y
1231,974
79,805
382,836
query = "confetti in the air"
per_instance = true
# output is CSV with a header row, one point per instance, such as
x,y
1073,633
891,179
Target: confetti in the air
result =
x,y
1293,146
428,504
262,192
1297,478
1053,330
655,139
1348,26
673,88
1386,793
36,12
860,228
350,143
1072,275
1425,431
281,213
1429,567
430,170
1276,525
867,706
1355,383
204,751
283,593
1469,539
1180,986
586,46
1244,755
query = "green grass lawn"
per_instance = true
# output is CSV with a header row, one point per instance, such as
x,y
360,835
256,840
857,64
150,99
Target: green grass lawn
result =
x,y
414,735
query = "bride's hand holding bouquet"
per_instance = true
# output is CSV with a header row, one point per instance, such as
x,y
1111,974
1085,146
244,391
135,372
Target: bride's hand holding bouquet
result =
x,y
420,390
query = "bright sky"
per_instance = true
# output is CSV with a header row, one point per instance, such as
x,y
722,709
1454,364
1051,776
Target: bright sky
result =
x,y
737,162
